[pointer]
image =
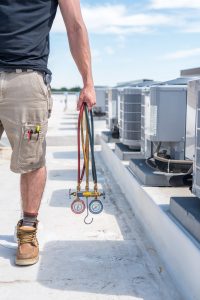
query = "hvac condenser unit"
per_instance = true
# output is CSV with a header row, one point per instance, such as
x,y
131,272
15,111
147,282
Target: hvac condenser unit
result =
x,y
111,108
165,119
130,117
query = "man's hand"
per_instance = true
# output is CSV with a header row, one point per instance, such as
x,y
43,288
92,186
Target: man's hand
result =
x,y
87,95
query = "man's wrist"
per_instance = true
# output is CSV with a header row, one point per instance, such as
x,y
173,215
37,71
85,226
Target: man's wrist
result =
x,y
91,85
88,82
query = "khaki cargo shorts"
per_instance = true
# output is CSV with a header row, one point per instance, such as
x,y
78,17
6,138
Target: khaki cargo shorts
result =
x,y
25,106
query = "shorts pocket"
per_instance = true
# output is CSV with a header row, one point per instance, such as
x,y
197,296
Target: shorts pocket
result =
x,y
41,83
32,143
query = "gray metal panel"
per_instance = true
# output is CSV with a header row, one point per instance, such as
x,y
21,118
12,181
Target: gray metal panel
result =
x,y
125,153
187,211
100,99
147,175
192,95
167,119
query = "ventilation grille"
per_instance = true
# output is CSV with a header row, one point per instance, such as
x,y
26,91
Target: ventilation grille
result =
x,y
130,117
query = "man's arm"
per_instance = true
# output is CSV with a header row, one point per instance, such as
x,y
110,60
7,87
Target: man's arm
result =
x,y
79,46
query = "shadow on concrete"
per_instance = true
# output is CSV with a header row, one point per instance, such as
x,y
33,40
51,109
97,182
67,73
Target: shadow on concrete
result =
x,y
68,129
7,238
164,207
65,155
103,267
60,198
69,123
66,175
70,117
8,248
100,267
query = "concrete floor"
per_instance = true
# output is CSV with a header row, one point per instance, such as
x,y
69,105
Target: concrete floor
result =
x,y
110,259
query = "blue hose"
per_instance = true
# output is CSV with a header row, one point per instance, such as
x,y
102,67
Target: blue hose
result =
x,y
90,126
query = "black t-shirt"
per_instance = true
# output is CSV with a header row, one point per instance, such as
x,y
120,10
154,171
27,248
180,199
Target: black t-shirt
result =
x,y
24,33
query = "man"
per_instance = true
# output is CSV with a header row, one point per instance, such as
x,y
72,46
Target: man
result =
x,y
25,100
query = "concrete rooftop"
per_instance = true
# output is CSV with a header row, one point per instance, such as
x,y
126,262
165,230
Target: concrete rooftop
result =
x,y
109,260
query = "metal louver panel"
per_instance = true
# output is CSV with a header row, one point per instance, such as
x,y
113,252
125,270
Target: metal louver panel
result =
x,y
130,116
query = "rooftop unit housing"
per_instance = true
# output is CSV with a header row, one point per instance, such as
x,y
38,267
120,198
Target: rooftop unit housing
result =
x,y
164,120
100,107
162,136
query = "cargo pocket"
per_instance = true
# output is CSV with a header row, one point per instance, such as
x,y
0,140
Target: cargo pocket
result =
x,y
32,144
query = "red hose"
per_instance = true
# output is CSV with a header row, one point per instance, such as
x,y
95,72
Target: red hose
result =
x,y
80,173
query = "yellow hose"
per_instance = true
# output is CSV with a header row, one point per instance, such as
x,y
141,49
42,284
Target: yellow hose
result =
x,y
85,149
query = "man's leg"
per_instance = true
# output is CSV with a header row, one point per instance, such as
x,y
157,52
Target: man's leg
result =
x,y
32,187
24,115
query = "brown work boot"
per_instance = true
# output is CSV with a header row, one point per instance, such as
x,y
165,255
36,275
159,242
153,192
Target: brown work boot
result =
x,y
28,247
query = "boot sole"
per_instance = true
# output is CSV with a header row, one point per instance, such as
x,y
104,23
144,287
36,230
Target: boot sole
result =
x,y
26,262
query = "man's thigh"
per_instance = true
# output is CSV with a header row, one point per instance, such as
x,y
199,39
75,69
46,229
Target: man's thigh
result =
x,y
24,114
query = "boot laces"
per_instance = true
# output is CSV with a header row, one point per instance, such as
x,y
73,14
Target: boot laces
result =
x,y
25,237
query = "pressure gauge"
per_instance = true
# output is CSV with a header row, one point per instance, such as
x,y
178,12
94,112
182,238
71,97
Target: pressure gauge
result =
x,y
96,207
78,206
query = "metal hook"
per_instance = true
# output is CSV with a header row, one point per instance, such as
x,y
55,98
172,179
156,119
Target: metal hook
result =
x,y
87,223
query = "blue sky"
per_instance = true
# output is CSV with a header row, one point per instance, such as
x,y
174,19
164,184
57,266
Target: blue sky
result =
x,y
131,39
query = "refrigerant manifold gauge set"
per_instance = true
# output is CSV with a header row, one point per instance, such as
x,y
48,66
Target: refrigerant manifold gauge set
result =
x,y
87,199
